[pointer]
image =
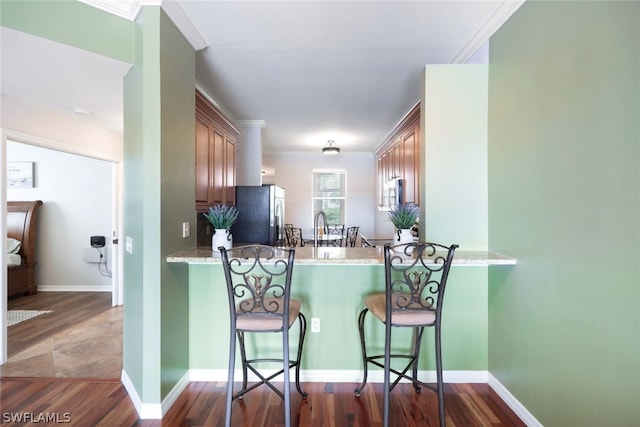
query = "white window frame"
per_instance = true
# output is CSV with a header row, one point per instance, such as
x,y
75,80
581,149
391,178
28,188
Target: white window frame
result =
x,y
343,198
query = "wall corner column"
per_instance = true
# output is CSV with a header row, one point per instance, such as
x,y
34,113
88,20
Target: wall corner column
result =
x,y
249,152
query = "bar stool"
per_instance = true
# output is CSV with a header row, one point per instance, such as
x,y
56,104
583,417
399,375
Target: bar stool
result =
x,y
258,281
415,279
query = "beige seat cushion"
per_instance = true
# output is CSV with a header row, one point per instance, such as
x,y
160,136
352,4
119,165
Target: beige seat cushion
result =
x,y
414,316
257,321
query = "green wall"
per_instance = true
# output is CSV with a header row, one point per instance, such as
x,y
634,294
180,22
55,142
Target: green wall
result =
x,y
564,173
334,293
159,134
73,23
177,67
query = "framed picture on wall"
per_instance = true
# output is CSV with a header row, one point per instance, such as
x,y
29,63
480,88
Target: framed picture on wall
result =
x,y
19,174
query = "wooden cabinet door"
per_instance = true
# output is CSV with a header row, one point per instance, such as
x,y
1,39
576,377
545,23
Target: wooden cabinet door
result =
x,y
411,166
230,170
203,160
396,160
217,186
215,156
381,181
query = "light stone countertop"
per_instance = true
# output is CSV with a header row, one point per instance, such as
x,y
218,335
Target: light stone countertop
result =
x,y
342,256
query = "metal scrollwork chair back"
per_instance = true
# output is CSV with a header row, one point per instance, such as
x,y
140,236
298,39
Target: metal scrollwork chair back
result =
x,y
335,234
352,236
258,282
415,280
293,236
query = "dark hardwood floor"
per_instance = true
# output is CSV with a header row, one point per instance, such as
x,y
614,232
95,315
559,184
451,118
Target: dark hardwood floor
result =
x,y
105,402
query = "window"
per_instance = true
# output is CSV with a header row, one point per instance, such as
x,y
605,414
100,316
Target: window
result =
x,y
329,194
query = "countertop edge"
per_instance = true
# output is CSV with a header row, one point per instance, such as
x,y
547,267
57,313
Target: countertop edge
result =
x,y
345,256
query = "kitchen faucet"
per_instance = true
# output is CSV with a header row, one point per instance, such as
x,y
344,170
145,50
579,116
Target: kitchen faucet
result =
x,y
315,226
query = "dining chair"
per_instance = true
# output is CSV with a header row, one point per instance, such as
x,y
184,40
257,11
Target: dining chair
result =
x,y
335,234
293,236
351,237
415,276
258,279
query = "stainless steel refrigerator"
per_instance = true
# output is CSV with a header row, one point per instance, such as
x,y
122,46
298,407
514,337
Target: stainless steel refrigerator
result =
x,y
260,215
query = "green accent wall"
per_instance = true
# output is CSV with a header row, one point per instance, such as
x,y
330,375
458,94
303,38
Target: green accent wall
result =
x,y
73,23
177,180
335,294
564,174
159,196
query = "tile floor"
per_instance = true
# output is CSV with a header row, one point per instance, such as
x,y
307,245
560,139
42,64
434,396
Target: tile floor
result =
x,y
90,349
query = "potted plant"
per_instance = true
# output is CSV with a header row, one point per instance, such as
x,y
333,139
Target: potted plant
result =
x,y
221,217
403,218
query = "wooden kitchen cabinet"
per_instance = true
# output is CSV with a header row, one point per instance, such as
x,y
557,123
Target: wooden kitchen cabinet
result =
x,y
215,156
399,158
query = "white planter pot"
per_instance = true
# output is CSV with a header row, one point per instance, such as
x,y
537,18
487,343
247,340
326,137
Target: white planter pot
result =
x,y
403,236
221,237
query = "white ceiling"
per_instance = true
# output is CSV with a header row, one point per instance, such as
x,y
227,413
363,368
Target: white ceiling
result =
x,y
312,71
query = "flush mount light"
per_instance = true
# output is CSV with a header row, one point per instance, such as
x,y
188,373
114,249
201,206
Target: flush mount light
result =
x,y
330,148
78,111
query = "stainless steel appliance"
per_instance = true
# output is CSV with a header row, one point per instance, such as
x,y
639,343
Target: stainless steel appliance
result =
x,y
260,215
393,194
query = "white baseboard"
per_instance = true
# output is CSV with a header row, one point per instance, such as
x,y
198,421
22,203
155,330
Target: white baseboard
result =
x,y
55,288
175,392
513,403
154,411
146,411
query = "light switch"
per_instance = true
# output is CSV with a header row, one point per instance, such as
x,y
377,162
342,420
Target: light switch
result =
x,y
128,245
186,230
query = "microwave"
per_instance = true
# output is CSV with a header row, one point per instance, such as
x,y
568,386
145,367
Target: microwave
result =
x,y
392,194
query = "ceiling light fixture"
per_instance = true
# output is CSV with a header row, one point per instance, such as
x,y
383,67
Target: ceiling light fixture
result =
x,y
79,111
330,148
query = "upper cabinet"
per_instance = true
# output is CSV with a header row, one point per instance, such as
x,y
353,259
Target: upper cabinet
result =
x,y
215,156
399,158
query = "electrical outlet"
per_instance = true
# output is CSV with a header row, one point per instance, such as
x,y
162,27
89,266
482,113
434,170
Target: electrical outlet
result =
x,y
315,324
128,245
186,230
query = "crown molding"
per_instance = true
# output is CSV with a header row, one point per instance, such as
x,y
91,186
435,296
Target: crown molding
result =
x,y
251,124
129,9
499,17
175,12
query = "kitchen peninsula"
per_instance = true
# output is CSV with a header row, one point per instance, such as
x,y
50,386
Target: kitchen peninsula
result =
x,y
332,283
308,255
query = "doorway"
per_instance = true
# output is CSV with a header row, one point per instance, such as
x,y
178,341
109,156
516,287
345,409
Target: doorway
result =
x,y
82,194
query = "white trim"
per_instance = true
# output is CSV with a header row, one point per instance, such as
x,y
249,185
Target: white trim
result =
x,y
175,392
205,92
125,9
154,411
513,403
251,124
37,141
180,19
82,288
499,17
147,411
